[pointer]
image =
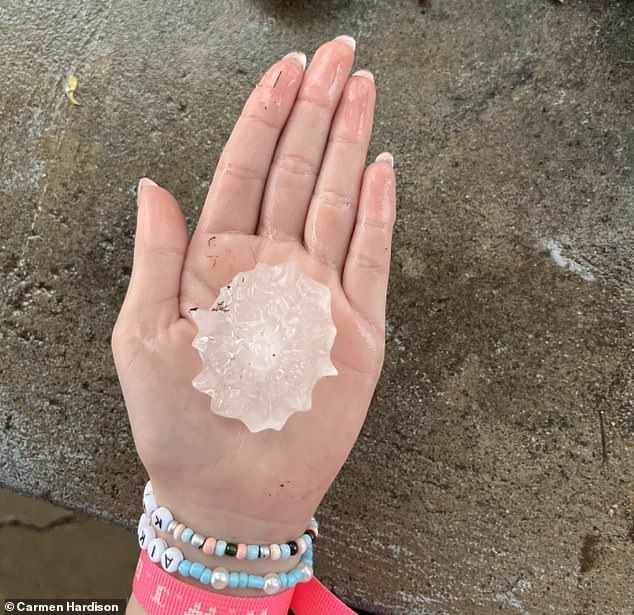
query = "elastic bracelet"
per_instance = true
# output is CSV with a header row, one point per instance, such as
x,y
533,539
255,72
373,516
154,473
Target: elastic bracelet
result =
x,y
160,593
162,519
172,560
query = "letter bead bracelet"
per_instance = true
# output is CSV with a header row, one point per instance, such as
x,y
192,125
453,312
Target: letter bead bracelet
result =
x,y
162,519
172,559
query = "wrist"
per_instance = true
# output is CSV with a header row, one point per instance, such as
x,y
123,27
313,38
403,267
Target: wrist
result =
x,y
260,526
232,566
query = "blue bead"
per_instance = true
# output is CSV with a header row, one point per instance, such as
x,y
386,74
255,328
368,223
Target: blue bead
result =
x,y
234,579
296,575
286,551
244,580
184,567
283,579
256,582
308,540
205,577
187,534
307,559
196,570
221,545
253,551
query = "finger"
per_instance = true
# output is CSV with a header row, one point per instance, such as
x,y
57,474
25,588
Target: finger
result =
x,y
301,148
159,250
367,265
235,194
333,208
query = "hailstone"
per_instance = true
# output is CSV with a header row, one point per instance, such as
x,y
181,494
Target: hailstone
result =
x,y
264,344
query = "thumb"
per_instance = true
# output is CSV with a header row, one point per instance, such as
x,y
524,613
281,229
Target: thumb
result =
x,y
160,246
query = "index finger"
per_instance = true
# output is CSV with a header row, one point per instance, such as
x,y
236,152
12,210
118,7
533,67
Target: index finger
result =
x,y
235,194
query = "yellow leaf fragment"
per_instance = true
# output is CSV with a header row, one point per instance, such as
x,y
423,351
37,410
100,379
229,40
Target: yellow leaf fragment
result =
x,y
71,88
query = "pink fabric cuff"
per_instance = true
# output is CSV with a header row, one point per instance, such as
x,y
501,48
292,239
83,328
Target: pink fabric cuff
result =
x,y
160,593
313,598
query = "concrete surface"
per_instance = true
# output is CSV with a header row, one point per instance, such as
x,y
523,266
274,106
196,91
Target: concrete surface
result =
x,y
495,470
49,552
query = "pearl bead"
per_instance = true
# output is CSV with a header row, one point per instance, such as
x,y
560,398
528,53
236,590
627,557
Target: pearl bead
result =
x,y
220,578
171,558
161,518
306,570
155,549
272,584
265,552
148,488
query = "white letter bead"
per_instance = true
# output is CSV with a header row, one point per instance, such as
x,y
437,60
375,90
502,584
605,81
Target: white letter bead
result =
x,y
144,521
161,518
155,549
171,558
148,488
149,504
146,535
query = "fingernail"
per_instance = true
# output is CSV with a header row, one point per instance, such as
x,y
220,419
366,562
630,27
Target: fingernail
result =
x,y
386,157
348,40
146,181
298,57
366,74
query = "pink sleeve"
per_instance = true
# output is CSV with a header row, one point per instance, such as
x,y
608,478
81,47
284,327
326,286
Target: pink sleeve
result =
x,y
313,598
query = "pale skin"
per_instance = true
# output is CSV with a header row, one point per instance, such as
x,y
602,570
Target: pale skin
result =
x,y
291,184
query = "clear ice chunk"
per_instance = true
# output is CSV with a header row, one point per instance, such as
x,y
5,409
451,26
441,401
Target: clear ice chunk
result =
x,y
264,344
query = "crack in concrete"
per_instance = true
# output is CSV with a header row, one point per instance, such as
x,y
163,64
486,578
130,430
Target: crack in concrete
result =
x,y
65,520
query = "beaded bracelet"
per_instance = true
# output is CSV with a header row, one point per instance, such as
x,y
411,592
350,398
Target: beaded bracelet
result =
x,y
162,519
172,560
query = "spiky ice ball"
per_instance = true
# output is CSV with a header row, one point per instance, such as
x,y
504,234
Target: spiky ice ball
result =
x,y
264,344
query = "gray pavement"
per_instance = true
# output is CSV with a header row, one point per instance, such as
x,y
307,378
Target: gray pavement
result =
x,y
495,472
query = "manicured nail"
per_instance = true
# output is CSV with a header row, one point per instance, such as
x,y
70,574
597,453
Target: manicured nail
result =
x,y
366,74
386,157
348,40
145,181
298,57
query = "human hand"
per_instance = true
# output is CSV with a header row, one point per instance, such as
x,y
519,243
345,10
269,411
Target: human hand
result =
x,y
291,184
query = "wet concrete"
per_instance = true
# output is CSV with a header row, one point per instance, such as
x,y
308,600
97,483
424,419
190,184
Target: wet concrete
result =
x,y
50,552
495,470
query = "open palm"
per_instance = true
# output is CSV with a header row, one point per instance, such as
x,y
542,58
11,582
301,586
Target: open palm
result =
x,y
291,184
